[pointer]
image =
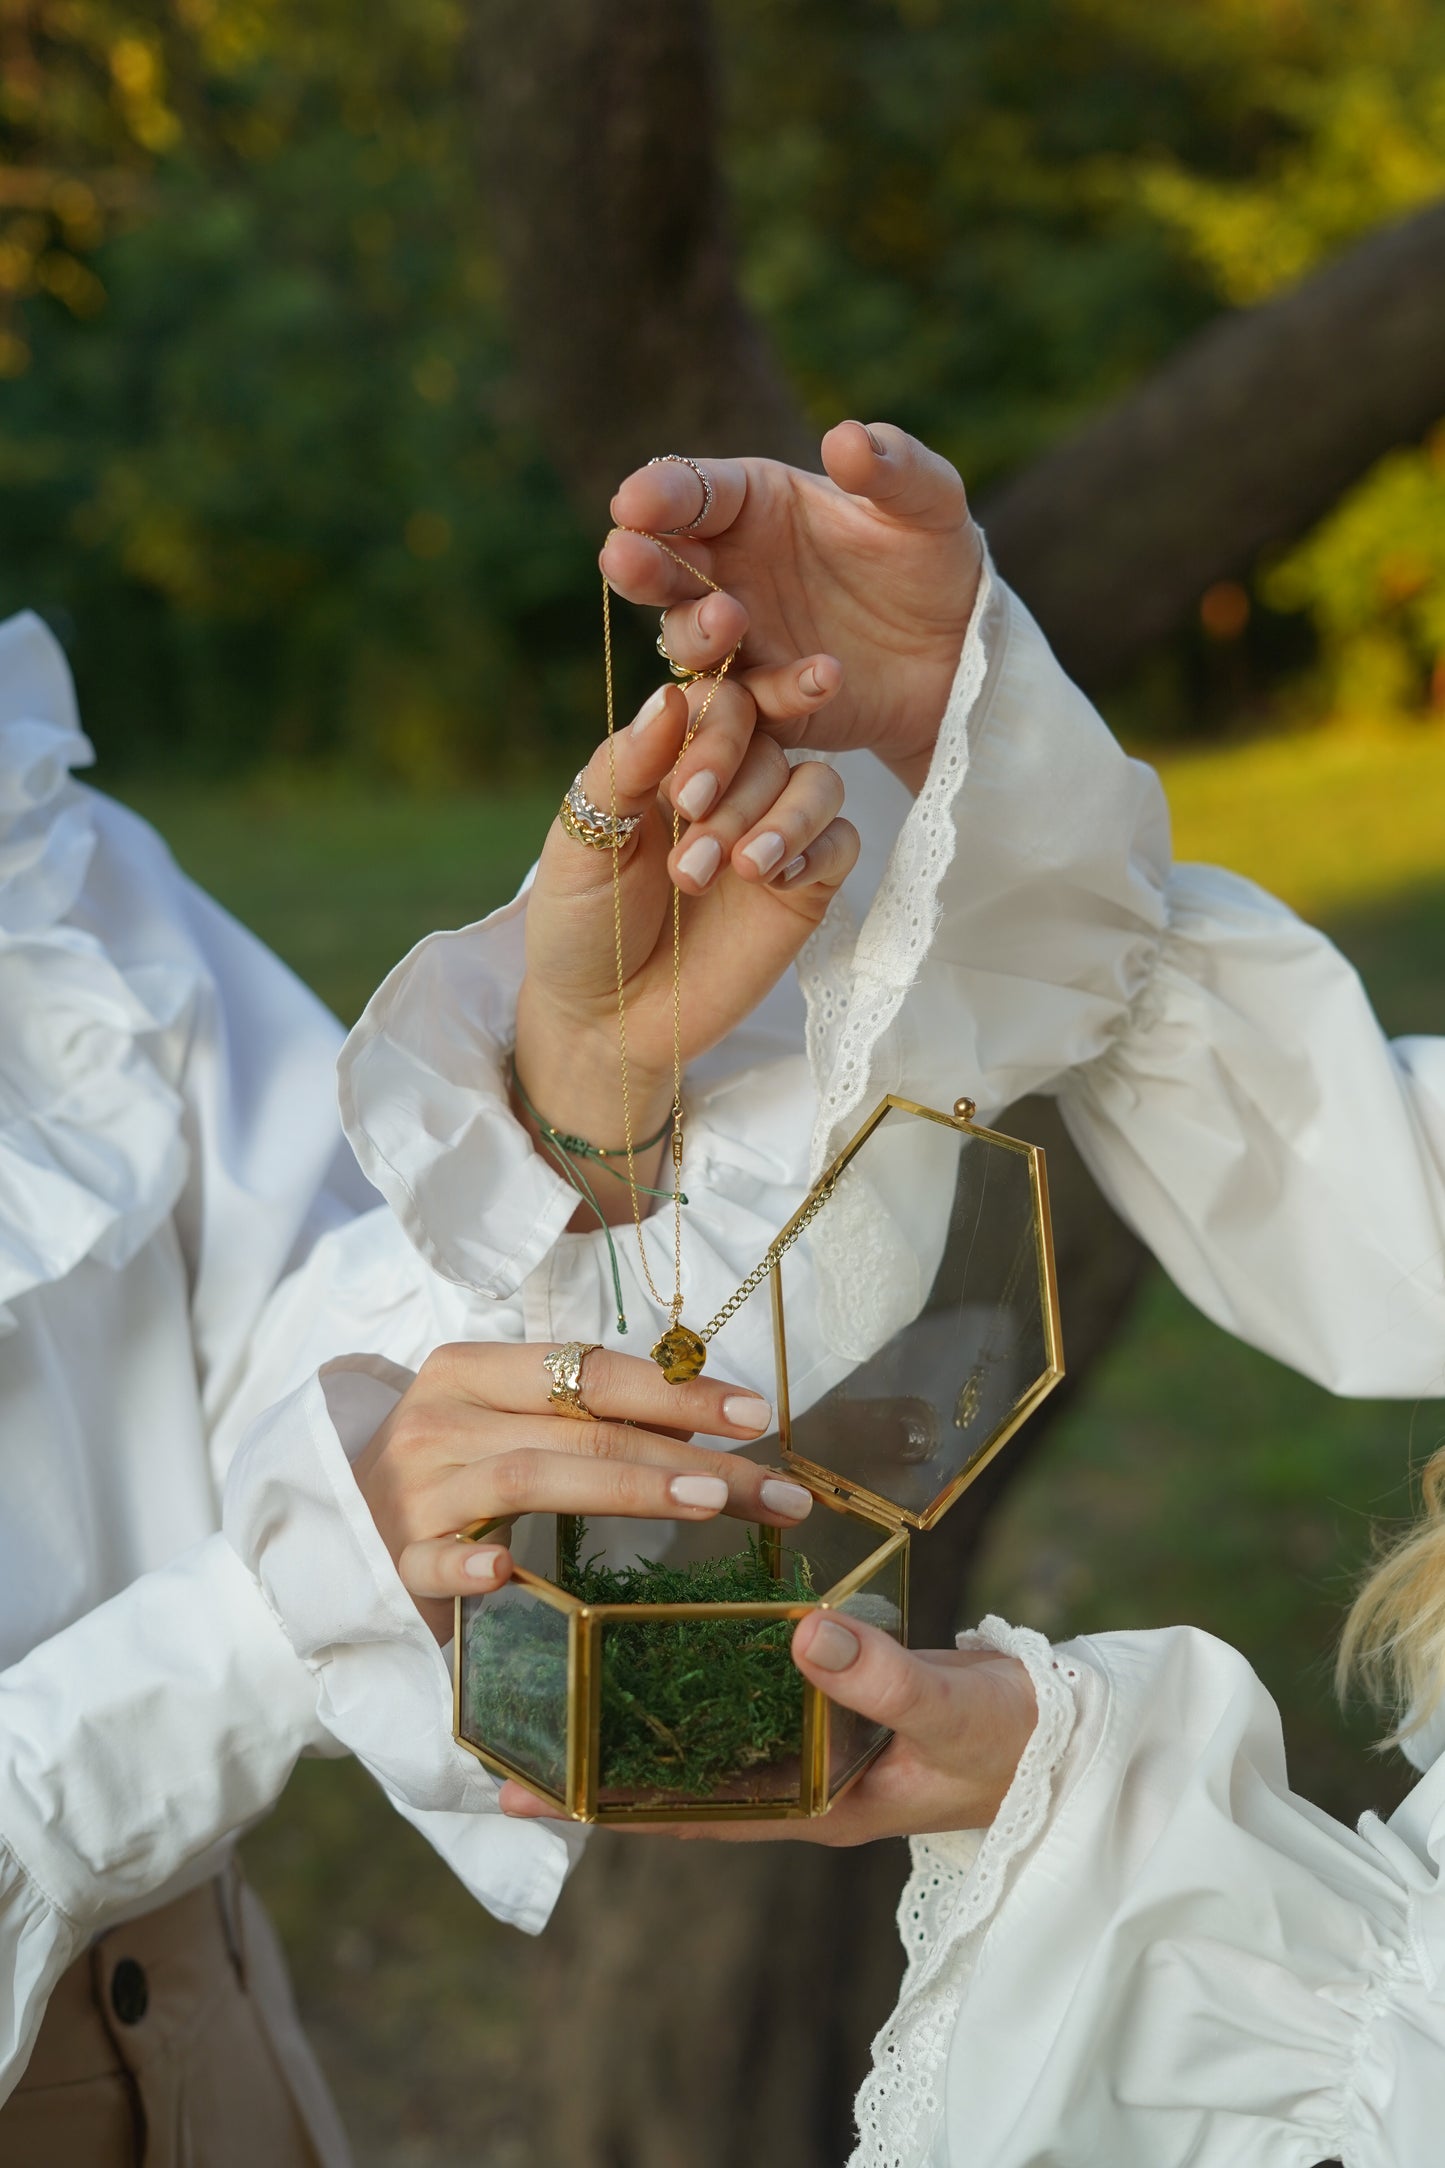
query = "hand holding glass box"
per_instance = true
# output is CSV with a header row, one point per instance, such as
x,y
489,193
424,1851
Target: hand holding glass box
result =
x,y
919,1329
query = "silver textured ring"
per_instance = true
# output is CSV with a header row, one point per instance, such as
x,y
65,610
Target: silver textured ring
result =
x,y
591,825
680,459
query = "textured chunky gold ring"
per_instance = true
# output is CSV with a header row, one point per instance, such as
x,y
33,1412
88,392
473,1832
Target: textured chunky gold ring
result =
x,y
564,1366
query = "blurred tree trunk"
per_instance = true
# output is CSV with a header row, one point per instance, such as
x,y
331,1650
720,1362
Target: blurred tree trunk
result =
x,y
693,2006
701,2005
1242,440
597,149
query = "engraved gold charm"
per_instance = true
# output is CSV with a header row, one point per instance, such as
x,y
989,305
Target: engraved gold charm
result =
x,y
680,1354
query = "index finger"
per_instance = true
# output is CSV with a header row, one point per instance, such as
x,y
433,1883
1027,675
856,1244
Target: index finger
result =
x,y
615,1388
666,497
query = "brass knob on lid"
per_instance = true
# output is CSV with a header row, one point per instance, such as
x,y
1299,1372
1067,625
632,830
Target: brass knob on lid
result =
x,y
964,1110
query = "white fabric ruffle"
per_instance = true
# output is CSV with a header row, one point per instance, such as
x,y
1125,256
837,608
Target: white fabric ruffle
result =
x,y
956,1885
296,1519
92,1158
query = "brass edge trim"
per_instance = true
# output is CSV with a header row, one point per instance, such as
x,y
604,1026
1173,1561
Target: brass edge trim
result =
x,y
1031,1400
1048,1264
808,1769
540,1586
626,1611
780,1359
873,1563
457,1672
475,1530
869,1755
501,1767
589,1716
734,1810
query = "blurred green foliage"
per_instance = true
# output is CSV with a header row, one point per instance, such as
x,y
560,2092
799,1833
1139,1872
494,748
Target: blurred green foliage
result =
x,y
264,457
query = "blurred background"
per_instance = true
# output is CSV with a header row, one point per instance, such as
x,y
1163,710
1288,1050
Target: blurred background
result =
x,y
325,331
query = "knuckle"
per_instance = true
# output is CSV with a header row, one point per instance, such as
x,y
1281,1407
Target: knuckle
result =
x,y
443,1365
630,1485
512,1478
604,1375
607,1441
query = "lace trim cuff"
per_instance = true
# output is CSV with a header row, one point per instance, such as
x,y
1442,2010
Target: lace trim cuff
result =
x,y
956,1886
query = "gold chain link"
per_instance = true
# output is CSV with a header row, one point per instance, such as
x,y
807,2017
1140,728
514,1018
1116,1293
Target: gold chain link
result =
x,y
777,1249
673,1304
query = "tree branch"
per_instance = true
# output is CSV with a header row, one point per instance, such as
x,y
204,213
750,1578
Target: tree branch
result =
x,y
1239,443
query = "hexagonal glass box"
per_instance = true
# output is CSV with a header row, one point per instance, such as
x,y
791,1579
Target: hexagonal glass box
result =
x,y
919,1328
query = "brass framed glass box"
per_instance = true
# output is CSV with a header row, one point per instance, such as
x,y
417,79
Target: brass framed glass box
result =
x,y
918,1329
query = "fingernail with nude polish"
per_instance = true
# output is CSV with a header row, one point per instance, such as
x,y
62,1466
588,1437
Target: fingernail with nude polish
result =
x,y
699,862
648,713
482,1565
764,851
832,1647
697,794
792,869
789,1499
749,1411
698,1490
880,449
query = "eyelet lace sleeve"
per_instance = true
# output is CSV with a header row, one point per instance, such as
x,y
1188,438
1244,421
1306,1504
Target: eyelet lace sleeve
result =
x,y
954,1889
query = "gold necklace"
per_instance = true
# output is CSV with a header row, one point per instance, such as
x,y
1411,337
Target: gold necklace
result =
x,y
680,1352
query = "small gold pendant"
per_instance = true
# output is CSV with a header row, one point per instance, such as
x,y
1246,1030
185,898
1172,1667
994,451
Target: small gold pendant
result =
x,y
680,1354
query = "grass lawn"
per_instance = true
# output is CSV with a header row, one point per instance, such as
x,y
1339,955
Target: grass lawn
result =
x,y
1200,1481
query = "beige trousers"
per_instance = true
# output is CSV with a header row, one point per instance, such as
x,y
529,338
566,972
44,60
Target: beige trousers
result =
x,y
174,2043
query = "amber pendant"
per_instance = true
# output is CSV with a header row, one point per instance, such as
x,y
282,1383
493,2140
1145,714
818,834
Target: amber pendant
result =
x,y
680,1354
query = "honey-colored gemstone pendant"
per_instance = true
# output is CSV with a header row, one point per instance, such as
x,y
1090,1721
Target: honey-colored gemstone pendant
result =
x,y
680,1354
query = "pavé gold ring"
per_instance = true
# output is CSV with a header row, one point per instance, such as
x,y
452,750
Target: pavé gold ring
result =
x,y
564,1366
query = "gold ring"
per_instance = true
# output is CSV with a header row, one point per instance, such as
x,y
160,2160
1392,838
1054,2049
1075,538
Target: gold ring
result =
x,y
679,670
587,823
564,1366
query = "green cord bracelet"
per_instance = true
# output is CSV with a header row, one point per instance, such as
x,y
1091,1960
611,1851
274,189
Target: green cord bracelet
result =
x,y
565,1149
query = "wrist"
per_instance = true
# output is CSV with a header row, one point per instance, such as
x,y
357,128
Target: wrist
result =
x,y
566,1092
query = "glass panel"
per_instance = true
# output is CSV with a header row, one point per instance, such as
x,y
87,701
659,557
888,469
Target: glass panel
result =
x,y
915,1310
852,1738
514,1681
699,1710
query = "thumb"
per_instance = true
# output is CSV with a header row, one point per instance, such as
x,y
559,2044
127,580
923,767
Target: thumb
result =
x,y
861,1668
896,473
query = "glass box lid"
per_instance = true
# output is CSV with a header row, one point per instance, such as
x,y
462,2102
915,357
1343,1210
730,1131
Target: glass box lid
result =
x,y
919,1324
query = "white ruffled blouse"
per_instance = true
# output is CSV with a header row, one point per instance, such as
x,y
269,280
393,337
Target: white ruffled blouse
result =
x,y
205,1312
186,1252
1158,1956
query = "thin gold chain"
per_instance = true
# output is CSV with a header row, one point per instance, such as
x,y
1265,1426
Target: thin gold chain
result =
x,y
671,1304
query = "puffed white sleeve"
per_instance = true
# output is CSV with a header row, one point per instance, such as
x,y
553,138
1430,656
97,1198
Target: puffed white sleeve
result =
x,y
138,1743
1159,1953
1216,1060
425,1102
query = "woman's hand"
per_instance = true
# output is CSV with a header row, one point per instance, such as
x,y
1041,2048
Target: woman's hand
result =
x,y
476,1438
869,572
761,855
960,1721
